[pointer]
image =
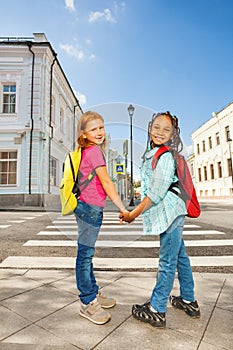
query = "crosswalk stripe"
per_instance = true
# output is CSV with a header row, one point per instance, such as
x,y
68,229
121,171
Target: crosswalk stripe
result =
x,y
127,244
103,227
4,226
107,263
125,232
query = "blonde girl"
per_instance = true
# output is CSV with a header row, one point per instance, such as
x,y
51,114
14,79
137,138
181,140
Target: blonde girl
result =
x,y
95,185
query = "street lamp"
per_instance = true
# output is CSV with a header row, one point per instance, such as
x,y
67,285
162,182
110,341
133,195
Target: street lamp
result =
x,y
131,112
229,141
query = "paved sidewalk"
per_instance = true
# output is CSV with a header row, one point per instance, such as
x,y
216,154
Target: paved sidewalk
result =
x,y
39,310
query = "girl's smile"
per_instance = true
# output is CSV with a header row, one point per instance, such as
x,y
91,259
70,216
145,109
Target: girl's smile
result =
x,y
161,130
95,132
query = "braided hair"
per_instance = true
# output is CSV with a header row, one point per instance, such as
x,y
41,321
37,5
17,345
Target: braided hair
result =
x,y
175,143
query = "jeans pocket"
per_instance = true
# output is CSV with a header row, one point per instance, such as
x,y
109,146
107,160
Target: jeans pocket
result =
x,y
90,214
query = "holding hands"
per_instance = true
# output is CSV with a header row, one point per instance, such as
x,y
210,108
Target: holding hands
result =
x,y
126,216
129,216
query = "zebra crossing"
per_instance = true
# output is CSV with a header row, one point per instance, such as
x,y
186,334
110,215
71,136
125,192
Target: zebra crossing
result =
x,y
118,246
20,220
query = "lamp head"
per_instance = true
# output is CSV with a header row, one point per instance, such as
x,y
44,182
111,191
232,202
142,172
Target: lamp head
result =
x,y
131,110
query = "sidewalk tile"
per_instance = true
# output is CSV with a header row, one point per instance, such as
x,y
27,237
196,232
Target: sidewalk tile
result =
x,y
38,303
220,329
47,276
133,334
10,322
35,335
14,285
82,332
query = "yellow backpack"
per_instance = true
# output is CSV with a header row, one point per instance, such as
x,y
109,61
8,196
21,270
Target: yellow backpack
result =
x,y
67,197
70,183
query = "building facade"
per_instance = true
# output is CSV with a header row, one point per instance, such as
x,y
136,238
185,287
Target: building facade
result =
x,y
38,121
211,163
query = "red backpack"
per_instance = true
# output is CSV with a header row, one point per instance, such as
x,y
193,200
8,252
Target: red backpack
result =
x,y
185,183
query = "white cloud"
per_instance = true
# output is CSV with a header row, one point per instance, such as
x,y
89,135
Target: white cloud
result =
x,y
81,97
106,15
70,5
72,51
187,150
92,56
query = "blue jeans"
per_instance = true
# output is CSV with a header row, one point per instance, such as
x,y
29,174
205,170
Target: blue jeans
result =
x,y
89,219
172,256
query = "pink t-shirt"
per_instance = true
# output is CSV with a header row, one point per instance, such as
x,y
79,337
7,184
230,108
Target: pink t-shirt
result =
x,y
92,158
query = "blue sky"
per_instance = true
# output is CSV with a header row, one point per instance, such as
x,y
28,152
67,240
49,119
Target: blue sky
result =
x,y
156,54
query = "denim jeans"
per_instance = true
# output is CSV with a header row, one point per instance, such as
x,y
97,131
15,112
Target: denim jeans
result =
x,y
89,219
172,256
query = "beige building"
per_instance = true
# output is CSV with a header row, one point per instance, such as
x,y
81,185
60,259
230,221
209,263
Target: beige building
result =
x,y
211,163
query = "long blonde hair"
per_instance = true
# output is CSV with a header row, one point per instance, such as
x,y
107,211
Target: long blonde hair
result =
x,y
82,124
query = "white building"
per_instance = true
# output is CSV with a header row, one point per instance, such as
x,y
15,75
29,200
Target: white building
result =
x,y
211,164
38,121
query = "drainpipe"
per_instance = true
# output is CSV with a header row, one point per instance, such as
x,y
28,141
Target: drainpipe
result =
x,y
32,120
50,118
74,126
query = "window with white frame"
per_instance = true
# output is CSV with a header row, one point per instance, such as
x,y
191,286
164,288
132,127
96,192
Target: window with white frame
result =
x,y
219,164
212,171
8,168
8,98
53,171
227,133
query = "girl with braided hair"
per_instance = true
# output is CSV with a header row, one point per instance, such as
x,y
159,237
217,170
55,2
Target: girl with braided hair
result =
x,y
163,214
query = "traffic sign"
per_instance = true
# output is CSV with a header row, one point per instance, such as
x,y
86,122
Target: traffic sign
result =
x,y
120,169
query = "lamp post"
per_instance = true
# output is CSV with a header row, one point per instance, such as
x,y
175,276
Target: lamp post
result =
x,y
229,141
131,112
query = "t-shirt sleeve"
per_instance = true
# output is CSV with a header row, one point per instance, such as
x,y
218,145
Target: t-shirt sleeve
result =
x,y
96,158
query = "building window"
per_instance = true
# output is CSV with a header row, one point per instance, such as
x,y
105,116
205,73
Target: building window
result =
x,y
9,98
203,146
198,149
53,171
205,173
229,167
211,171
219,169
227,133
8,168
210,142
199,174
217,139
192,169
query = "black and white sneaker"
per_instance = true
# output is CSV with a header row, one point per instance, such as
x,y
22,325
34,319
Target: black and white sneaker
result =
x,y
191,309
143,313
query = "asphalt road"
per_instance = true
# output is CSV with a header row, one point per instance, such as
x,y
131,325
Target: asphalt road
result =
x,y
17,227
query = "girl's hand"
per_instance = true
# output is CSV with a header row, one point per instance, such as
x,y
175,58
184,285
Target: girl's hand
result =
x,y
125,216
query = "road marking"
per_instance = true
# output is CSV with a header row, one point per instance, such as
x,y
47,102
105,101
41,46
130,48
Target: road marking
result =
x,y
107,263
29,217
5,226
16,221
128,244
118,226
124,232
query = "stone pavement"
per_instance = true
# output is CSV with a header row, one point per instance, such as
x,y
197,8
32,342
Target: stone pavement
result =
x,y
39,310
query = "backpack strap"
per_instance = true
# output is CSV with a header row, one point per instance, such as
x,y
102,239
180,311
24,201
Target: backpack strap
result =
x,y
85,183
175,185
158,153
72,168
